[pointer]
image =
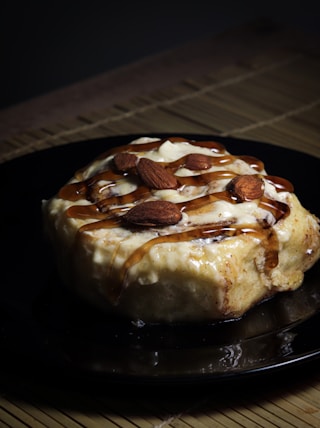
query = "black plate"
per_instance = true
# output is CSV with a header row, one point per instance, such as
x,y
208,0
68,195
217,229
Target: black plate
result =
x,y
43,327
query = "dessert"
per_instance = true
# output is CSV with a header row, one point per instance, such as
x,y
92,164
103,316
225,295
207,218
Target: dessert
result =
x,y
166,230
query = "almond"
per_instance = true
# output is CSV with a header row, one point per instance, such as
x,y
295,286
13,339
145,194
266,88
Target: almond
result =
x,y
125,161
154,213
197,161
246,187
155,175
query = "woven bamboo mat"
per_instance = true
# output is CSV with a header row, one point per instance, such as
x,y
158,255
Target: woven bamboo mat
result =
x,y
275,98
272,98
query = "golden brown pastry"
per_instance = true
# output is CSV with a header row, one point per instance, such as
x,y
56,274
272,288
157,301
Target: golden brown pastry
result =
x,y
179,230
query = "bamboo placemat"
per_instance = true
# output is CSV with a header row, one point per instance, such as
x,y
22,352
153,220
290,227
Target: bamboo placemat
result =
x,y
273,97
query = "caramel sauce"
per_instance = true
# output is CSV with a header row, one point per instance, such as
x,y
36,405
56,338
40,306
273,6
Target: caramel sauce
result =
x,y
209,231
106,223
108,211
215,161
194,204
206,178
140,193
85,211
269,241
81,190
281,184
278,209
255,163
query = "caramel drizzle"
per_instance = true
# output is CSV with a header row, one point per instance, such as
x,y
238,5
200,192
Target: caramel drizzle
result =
x,y
81,190
269,242
109,211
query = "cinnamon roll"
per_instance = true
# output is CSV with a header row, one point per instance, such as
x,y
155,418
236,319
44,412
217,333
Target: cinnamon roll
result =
x,y
166,230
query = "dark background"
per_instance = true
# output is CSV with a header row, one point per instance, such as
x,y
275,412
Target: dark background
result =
x,y
46,45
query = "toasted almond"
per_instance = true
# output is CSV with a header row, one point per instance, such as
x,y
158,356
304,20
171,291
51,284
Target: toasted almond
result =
x,y
154,213
197,161
246,187
155,175
125,161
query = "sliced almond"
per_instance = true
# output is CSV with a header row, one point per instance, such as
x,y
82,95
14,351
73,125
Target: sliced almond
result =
x,y
197,161
154,213
125,161
246,187
155,175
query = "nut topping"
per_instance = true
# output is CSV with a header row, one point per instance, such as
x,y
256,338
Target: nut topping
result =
x,y
197,161
155,176
154,213
125,161
246,187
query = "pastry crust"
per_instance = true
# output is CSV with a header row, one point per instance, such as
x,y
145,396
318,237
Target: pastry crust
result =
x,y
219,236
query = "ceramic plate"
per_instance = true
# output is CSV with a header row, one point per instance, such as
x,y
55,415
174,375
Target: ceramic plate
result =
x,y
44,327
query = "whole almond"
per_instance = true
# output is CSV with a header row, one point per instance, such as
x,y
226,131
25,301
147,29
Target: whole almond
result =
x,y
246,187
154,213
125,161
197,161
155,175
